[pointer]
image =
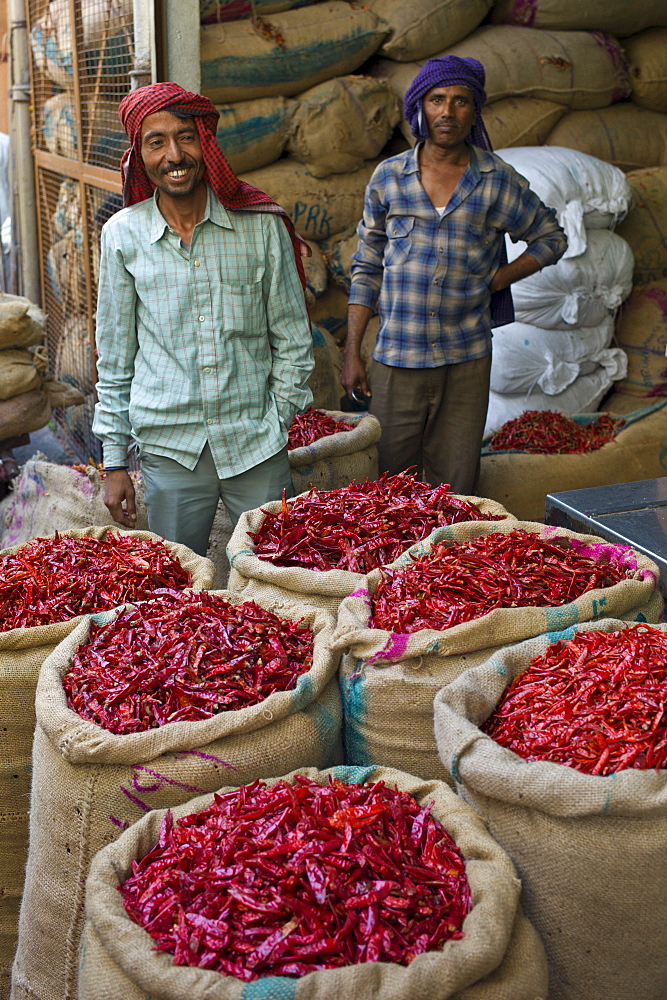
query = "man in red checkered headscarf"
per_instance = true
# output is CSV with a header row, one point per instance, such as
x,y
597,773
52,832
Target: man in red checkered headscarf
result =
x,y
203,335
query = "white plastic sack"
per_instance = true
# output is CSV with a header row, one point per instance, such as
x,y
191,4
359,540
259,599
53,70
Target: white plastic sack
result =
x,y
577,291
582,396
584,191
526,357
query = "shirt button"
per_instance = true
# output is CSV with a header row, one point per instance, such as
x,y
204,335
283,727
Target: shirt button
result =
x,y
432,314
209,421
207,371
202,318
440,250
196,263
435,282
433,344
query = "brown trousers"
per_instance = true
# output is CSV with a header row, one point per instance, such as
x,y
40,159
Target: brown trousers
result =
x,y
432,418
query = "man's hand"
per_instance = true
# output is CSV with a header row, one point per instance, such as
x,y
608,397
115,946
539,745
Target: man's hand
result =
x,y
506,275
353,375
119,489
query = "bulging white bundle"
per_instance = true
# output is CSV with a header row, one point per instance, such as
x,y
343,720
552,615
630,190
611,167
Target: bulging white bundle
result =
x,y
577,291
585,192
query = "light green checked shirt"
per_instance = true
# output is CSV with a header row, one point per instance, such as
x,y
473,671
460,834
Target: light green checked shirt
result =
x,y
206,343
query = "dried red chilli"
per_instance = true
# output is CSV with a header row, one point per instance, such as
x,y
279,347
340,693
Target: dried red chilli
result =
x,y
311,426
54,579
182,658
550,432
359,527
289,879
596,703
458,582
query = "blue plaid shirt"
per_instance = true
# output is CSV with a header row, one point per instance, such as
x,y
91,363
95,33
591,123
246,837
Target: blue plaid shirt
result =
x,y
427,275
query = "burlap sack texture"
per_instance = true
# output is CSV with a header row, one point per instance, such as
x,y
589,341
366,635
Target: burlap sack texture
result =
x,y
499,957
339,459
89,784
600,15
22,652
254,577
645,226
642,333
25,413
590,850
22,324
17,373
521,480
388,681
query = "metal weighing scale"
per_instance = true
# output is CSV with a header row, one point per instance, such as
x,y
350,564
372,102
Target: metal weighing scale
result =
x,y
626,513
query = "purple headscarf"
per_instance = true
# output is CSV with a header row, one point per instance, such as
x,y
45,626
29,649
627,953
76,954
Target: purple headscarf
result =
x,y
452,71
449,71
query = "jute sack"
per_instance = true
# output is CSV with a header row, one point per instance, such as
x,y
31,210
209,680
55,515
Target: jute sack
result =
x,y
388,680
214,11
62,394
25,413
626,135
318,206
256,578
337,460
65,268
645,226
647,65
521,480
499,956
329,311
319,42
589,850
22,652
578,69
22,324
89,784
521,121
17,373
616,16
416,33
342,122
253,134
322,381
315,268
59,125
48,497
642,333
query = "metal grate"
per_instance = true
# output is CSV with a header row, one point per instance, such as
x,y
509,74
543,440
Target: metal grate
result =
x,y
82,55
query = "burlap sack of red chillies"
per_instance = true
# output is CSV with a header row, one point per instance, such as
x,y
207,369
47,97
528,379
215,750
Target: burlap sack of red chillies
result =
x,y
23,649
560,743
99,769
318,546
495,955
329,448
409,631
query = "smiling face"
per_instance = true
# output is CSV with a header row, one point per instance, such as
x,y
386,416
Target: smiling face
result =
x,y
450,115
172,153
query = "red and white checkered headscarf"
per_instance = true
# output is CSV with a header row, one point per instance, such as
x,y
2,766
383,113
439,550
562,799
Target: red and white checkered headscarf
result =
x,y
233,193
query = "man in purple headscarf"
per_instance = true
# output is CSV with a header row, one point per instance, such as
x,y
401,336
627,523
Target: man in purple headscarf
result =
x,y
431,260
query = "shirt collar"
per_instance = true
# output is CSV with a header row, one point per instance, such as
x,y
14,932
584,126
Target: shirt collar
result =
x,y
214,212
481,161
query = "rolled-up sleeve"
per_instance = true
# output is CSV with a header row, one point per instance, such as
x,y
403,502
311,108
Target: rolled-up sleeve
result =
x,y
530,220
116,337
289,330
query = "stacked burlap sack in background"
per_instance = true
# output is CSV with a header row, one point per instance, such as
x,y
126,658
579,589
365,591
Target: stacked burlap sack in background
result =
x,y
589,850
89,784
258,579
388,681
521,480
499,956
26,394
22,652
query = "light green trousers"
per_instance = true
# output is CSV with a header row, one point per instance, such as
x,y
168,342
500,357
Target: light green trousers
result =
x,y
182,503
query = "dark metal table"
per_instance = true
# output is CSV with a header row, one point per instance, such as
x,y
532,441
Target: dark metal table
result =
x,y
627,513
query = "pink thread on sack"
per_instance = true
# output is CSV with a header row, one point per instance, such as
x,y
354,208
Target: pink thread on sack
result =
x,y
619,63
394,648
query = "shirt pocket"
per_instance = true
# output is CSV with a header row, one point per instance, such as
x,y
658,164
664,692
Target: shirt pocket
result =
x,y
243,309
399,239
